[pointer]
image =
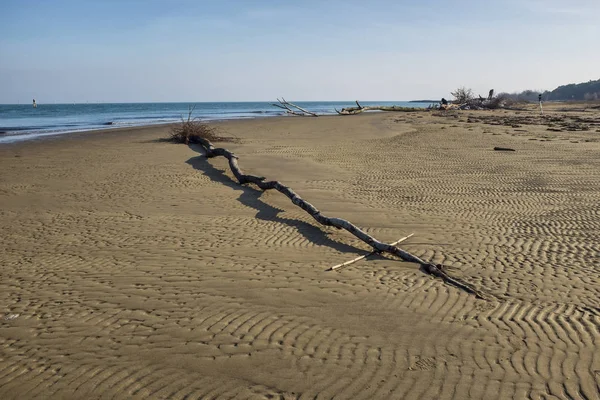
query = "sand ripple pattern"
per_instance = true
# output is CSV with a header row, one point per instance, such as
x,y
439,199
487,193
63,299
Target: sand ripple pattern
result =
x,y
184,285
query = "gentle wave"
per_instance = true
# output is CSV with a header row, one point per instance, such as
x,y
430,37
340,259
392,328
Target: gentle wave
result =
x,y
35,135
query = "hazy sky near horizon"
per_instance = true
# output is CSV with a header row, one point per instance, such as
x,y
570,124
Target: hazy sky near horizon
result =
x,y
244,50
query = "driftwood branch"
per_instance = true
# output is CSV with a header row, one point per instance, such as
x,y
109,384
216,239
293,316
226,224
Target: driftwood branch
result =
x,y
433,269
366,255
286,105
359,109
299,108
287,109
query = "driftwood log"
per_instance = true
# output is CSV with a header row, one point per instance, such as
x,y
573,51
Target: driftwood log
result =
x,y
289,109
359,109
437,270
503,149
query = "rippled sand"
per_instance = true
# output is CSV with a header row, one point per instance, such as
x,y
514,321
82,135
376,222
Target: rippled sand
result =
x,y
132,268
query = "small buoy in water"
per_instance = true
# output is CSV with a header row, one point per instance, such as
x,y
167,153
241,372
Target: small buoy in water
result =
x,y
34,104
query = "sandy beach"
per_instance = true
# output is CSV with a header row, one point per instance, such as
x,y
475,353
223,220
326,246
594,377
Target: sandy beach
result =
x,y
135,268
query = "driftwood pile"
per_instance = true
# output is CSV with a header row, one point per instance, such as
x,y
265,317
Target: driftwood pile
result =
x,y
437,270
465,100
490,103
476,104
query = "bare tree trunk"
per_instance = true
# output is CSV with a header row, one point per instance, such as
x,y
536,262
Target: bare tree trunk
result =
x,y
359,109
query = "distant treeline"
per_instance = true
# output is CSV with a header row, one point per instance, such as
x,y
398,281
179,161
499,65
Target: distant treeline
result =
x,y
574,91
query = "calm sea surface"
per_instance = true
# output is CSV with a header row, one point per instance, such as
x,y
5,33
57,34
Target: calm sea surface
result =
x,y
20,122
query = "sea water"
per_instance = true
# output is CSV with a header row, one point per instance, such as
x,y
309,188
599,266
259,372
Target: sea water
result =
x,y
20,122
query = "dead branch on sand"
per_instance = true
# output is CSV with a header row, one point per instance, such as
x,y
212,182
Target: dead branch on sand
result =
x,y
359,109
436,270
464,99
366,255
286,105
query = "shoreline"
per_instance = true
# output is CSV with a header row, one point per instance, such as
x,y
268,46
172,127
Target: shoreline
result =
x,y
160,126
116,129
84,134
25,123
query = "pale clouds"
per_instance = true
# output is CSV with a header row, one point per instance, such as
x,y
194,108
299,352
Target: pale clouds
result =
x,y
587,9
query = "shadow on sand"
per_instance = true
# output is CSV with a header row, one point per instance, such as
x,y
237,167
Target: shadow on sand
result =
x,y
250,197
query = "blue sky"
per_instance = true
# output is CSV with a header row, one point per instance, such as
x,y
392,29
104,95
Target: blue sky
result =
x,y
245,50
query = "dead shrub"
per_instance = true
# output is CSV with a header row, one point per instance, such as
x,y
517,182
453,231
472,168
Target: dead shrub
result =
x,y
191,130
462,95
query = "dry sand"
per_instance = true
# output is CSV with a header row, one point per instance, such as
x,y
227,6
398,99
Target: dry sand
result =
x,y
132,268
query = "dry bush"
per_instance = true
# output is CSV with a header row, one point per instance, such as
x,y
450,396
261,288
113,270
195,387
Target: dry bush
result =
x,y
462,95
190,130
